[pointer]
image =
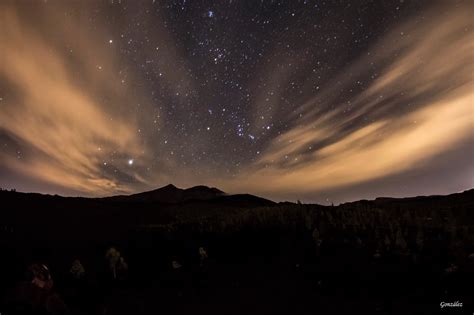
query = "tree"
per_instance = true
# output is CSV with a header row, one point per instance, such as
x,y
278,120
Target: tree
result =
x,y
316,236
308,222
317,241
77,270
122,267
400,241
387,242
202,256
419,239
113,256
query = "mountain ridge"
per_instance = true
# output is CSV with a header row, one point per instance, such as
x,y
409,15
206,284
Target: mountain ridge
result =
x,y
171,194
215,193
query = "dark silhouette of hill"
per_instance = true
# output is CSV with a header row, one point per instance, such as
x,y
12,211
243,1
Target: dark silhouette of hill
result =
x,y
160,205
465,199
165,204
379,255
172,194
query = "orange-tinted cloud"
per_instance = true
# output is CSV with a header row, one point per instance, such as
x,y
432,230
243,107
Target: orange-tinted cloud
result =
x,y
55,115
433,68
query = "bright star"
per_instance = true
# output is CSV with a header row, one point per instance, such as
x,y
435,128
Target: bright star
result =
x,y
130,162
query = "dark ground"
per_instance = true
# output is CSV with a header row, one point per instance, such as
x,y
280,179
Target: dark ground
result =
x,y
262,260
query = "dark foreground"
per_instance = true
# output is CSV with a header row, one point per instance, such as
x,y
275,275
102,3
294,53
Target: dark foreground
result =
x,y
388,256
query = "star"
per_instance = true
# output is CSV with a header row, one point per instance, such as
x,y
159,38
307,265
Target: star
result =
x,y
130,162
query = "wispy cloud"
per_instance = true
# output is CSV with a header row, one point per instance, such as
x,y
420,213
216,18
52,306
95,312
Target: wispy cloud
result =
x,y
421,104
53,112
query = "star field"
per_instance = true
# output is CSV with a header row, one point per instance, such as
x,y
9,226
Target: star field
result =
x,y
286,99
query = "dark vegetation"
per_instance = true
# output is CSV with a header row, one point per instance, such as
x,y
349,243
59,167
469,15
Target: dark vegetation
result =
x,y
141,254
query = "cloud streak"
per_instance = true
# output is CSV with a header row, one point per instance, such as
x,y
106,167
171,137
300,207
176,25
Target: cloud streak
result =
x,y
420,105
53,114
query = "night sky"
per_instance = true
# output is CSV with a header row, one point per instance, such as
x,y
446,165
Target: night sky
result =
x,y
322,101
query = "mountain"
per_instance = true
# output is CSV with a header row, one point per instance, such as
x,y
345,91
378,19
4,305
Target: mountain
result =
x,y
464,198
161,205
197,195
171,194
104,219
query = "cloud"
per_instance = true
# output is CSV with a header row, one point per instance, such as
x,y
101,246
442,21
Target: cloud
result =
x,y
418,106
54,115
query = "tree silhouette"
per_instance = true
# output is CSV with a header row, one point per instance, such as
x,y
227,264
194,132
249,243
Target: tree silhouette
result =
x,y
77,270
113,257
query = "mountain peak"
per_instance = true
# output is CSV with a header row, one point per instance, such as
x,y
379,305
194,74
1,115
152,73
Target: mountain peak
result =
x,y
172,194
168,187
203,188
